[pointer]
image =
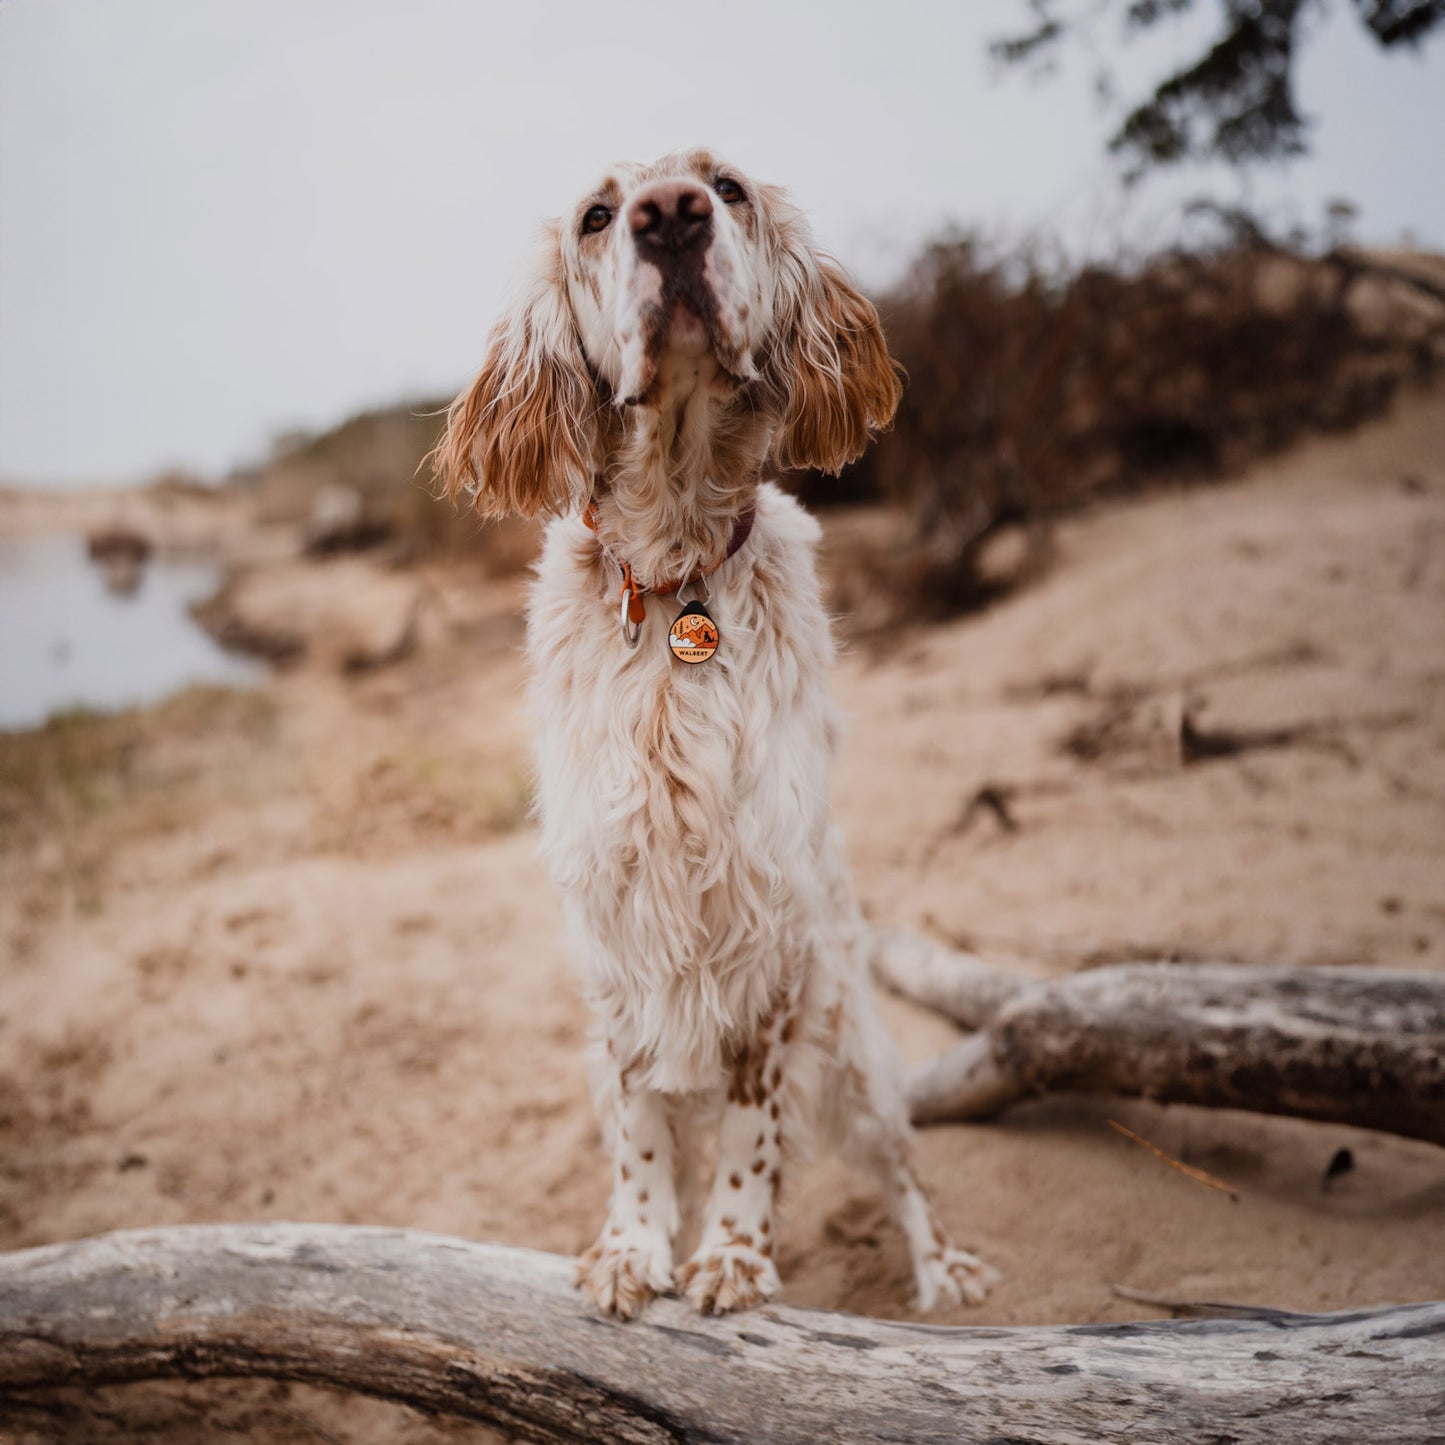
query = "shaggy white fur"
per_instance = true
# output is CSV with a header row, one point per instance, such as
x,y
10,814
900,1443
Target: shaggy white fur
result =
x,y
679,333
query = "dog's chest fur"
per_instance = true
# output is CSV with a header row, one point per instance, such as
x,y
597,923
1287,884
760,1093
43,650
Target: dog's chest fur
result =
x,y
684,808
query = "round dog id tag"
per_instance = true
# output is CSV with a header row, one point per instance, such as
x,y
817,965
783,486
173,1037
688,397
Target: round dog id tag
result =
x,y
694,635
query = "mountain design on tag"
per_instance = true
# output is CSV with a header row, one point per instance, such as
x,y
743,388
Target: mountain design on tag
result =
x,y
694,635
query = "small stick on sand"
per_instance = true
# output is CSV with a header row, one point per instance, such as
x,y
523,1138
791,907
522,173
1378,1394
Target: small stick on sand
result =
x,y
1198,1175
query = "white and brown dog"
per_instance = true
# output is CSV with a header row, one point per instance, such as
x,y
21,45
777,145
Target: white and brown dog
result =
x,y
678,335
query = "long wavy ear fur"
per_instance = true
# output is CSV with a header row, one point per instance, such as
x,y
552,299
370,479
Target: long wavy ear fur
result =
x,y
523,437
838,383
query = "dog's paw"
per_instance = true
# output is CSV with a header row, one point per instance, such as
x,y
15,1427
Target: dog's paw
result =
x,y
953,1277
728,1277
620,1278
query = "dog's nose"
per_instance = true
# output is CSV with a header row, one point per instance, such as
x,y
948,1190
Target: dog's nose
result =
x,y
670,218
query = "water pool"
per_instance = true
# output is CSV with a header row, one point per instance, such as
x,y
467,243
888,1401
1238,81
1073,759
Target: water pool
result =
x,y
67,641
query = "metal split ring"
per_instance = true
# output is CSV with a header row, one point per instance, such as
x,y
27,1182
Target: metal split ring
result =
x,y
631,631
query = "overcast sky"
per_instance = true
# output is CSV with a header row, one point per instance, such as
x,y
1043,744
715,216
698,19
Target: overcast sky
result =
x,y
219,221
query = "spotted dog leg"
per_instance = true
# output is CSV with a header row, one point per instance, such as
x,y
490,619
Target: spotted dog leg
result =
x,y
732,1267
632,1259
944,1275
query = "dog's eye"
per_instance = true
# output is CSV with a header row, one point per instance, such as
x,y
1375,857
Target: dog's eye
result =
x,y
729,192
597,219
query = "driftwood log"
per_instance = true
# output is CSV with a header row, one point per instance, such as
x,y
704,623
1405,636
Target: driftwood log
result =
x,y
500,1336
1361,1046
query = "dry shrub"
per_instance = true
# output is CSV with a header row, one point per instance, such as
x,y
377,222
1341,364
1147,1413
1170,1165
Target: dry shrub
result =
x,y
374,454
378,457
81,765
1033,387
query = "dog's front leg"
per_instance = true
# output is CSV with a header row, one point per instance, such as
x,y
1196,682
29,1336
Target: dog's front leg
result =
x,y
733,1267
632,1259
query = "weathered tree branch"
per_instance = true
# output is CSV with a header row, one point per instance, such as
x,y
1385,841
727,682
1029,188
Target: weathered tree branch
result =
x,y
1359,1046
499,1336
1356,264
963,986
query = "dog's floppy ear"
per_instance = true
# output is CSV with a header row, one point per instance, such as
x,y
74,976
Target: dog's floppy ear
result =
x,y
830,365
523,437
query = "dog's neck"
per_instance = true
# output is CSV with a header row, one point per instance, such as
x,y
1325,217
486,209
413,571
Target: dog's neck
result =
x,y
682,471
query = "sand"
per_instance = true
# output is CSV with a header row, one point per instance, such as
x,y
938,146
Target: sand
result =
x,y
294,956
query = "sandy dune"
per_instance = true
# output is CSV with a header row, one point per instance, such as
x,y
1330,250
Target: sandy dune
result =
x,y
297,957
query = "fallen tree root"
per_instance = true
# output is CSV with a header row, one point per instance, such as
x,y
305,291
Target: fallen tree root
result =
x,y
499,1336
1360,1046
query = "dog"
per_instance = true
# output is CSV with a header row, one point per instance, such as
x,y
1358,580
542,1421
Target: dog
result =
x,y
677,336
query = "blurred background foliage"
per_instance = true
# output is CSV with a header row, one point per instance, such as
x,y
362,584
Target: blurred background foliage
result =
x,y
1235,101
1034,385
1037,382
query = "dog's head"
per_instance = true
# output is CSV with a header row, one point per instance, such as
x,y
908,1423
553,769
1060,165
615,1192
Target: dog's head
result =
x,y
679,274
